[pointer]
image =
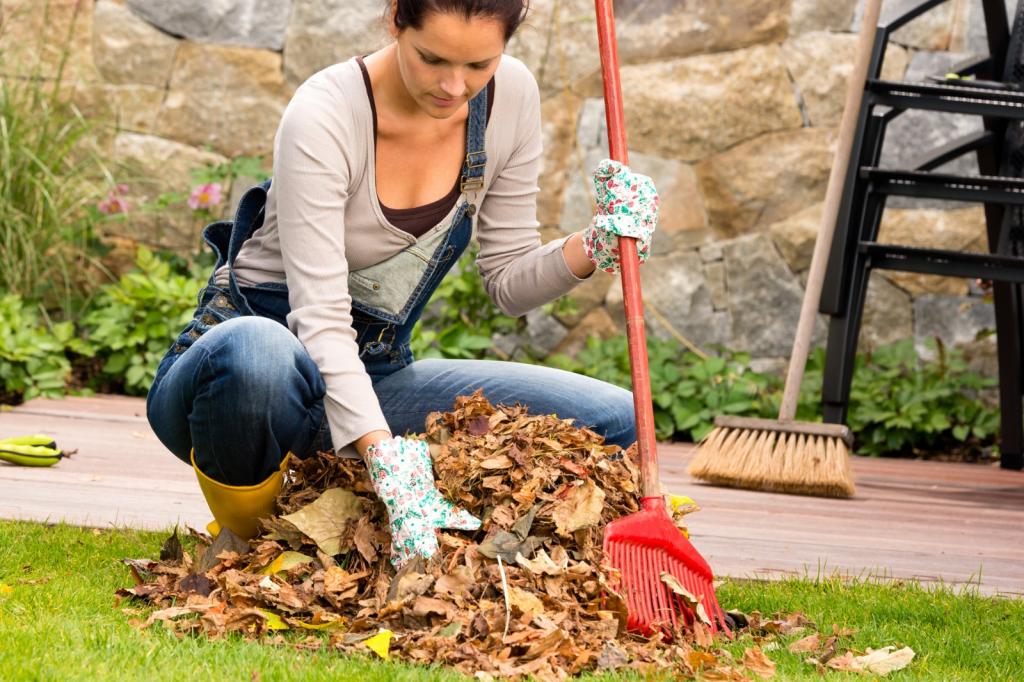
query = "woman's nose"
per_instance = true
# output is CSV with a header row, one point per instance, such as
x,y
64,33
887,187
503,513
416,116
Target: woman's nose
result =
x,y
454,85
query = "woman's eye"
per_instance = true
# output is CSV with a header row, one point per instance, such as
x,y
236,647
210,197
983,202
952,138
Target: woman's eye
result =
x,y
433,61
479,67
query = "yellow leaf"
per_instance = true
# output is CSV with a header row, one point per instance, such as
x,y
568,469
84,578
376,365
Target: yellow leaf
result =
x,y
380,643
331,624
286,561
274,621
885,660
5,589
325,519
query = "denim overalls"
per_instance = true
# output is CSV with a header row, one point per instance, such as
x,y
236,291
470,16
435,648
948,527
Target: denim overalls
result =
x,y
240,434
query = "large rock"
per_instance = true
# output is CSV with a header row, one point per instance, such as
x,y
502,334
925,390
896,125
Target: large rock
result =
x,y
682,221
959,230
229,98
249,23
933,30
543,332
888,314
677,301
597,324
36,36
795,236
821,64
325,32
764,297
955,320
560,160
814,15
153,166
559,39
766,179
969,32
129,51
689,109
131,108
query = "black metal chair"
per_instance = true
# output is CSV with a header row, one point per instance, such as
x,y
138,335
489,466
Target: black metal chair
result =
x,y
995,94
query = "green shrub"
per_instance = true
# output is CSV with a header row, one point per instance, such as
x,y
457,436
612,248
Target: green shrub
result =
x,y
32,352
899,403
688,391
50,183
461,319
133,322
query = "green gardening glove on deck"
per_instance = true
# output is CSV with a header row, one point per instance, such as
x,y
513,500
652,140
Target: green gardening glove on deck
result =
x,y
402,473
30,451
627,206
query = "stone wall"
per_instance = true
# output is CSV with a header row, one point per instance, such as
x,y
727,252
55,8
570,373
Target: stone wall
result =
x,y
732,106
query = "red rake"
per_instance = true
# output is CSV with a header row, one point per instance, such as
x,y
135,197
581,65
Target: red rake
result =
x,y
646,547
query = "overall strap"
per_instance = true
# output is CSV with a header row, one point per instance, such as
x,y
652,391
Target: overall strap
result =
x,y
248,218
476,158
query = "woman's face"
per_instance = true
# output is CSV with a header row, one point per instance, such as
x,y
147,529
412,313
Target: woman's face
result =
x,y
447,61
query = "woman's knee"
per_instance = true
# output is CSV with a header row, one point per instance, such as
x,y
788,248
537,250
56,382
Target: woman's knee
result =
x,y
257,358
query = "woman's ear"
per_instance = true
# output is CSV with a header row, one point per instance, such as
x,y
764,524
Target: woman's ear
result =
x,y
392,26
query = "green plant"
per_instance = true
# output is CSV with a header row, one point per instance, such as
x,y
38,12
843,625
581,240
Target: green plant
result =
x,y
32,353
688,390
461,319
132,322
50,181
900,404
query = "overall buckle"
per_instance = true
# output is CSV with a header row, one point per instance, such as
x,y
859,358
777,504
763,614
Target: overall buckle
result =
x,y
474,161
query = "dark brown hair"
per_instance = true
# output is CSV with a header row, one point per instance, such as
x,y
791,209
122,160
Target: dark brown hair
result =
x,y
411,13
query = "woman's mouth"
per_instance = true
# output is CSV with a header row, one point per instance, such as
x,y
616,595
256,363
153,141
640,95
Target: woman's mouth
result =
x,y
444,102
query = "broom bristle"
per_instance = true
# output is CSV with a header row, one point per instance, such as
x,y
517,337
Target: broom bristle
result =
x,y
785,461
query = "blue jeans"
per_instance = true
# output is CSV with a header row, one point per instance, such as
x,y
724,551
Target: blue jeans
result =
x,y
246,392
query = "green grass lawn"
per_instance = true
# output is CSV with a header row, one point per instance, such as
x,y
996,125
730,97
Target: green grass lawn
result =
x,y
58,621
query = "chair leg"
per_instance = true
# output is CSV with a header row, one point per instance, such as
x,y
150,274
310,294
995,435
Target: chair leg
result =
x,y
1008,342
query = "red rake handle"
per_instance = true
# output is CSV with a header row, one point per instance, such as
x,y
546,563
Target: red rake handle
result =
x,y
632,298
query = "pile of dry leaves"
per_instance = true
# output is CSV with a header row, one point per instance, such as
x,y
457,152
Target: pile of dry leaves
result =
x,y
525,595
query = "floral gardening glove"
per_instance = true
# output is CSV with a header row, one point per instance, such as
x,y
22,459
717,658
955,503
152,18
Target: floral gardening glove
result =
x,y
403,476
627,206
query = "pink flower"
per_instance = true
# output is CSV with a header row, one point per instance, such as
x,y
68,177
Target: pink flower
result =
x,y
115,201
204,196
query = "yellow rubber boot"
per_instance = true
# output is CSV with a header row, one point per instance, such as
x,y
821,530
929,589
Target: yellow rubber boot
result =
x,y
240,507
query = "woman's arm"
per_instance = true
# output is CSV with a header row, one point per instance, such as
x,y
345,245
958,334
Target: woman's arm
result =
x,y
312,174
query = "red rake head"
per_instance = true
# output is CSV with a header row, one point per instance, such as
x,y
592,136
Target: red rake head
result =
x,y
647,544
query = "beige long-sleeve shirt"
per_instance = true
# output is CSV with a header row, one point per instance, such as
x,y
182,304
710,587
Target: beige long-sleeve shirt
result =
x,y
323,219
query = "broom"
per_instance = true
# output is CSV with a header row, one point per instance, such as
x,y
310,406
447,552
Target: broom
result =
x,y
667,584
784,455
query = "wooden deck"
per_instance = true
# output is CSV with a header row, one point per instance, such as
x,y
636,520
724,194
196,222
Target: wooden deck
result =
x,y
934,522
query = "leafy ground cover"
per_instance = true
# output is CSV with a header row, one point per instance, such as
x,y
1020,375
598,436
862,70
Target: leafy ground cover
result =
x,y
58,620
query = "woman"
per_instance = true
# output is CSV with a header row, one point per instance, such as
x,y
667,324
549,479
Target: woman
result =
x,y
384,167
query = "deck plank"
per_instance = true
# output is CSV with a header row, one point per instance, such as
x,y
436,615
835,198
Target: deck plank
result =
x,y
958,524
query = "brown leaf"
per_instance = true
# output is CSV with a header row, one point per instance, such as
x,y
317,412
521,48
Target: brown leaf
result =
x,y
497,462
692,601
612,657
524,602
327,519
425,606
580,509
808,644
755,661
479,426
171,549
197,584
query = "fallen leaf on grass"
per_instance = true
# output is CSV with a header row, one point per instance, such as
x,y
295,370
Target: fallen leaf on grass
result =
x,y
885,660
5,589
808,644
380,643
755,661
326,519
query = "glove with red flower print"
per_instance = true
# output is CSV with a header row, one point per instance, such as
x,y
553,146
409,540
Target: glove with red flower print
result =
x,y
402,473
627,206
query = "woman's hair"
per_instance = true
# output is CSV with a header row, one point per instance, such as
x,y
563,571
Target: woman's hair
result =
x,y
411,13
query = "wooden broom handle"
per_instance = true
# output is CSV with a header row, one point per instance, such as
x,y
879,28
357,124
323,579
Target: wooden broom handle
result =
x,y
830,212
636,336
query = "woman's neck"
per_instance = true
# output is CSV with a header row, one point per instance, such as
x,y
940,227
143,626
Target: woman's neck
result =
x,y
389,91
